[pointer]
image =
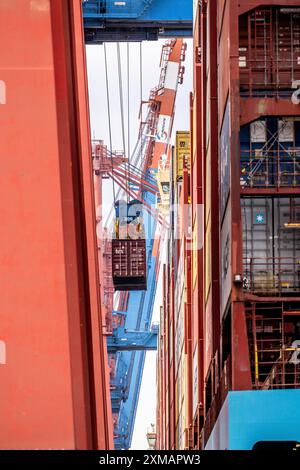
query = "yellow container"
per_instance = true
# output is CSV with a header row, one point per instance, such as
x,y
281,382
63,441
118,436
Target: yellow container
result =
x,y
182,154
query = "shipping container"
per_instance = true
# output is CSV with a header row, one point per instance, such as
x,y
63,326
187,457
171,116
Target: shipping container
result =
x,y
129,268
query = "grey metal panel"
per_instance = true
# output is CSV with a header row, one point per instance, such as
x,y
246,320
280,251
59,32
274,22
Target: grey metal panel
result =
x,y
225,160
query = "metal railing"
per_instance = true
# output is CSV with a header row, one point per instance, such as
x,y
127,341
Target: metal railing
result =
x,y
272,275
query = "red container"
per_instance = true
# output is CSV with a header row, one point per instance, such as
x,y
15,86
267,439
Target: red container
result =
x,y
129,268
54,375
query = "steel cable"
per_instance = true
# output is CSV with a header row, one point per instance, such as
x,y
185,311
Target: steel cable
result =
x,y
109,119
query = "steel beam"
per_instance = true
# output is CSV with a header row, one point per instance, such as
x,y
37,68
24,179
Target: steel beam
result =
x,y
126,340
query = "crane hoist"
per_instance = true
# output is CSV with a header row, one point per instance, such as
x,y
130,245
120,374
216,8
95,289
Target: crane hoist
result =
x,y
129,268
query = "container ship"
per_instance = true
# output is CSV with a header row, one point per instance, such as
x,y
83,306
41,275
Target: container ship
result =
x,y
212,209
228,357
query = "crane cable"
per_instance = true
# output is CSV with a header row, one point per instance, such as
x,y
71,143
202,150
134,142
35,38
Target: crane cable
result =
x,y
122,106
109,121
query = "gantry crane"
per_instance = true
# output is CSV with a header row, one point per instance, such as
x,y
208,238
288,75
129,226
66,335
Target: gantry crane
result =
x,y
128,326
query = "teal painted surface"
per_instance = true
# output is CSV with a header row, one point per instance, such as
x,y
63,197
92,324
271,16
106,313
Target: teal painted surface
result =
x,y
260,415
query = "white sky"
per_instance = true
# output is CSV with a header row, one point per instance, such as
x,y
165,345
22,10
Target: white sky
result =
x,y
151,52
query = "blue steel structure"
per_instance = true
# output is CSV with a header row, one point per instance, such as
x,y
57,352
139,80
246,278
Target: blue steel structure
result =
x,y
136,20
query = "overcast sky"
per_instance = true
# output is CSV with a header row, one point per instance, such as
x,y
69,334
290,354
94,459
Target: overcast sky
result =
x,y
151,52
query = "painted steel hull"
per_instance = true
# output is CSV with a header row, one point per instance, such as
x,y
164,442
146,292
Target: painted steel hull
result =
x,y
253,416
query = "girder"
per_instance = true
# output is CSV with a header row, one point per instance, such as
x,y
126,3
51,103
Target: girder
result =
x,y
131,340
136,20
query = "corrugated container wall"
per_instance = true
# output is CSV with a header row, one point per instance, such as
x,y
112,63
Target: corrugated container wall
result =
x,y
174,355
